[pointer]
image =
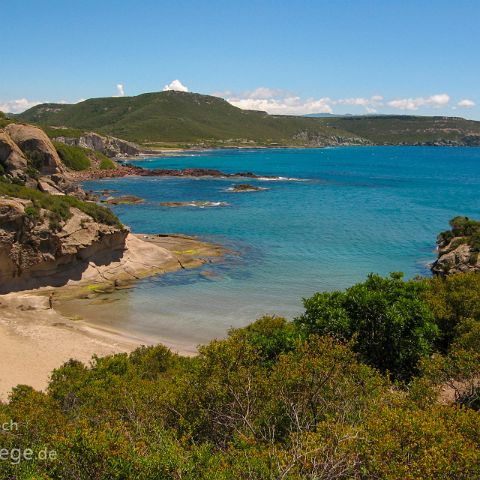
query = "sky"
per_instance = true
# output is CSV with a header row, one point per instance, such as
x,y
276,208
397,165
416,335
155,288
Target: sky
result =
x,y
286,57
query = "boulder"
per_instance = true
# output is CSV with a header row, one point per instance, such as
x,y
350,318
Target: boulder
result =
x,y
456,257
11,157
31,139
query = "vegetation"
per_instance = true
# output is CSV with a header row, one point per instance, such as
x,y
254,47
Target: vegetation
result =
x,y
105,162
79,158
74,158
277,399
56,132
465,229
59,205
4,120
189,118
391,324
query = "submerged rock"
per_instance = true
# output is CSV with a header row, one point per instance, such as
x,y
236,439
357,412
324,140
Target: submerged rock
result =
x,y
245,187
124,200
197,204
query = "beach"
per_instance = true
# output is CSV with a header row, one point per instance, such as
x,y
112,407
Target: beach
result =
x,y
36,339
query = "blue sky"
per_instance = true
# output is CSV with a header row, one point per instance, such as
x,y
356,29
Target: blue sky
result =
x,y
338,56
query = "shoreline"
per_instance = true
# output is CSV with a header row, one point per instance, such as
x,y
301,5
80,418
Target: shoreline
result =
x,y
36,339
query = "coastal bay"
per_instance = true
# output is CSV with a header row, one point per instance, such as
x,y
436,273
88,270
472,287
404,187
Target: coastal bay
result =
x,y
331,216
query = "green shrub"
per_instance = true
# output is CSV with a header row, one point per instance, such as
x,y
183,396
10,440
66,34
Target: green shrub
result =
x,y
36,159
53,132
33,213
452,300
106,163
59,205
74,158
390,323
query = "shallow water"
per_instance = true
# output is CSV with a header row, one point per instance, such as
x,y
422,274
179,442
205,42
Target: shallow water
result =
x,y
352,211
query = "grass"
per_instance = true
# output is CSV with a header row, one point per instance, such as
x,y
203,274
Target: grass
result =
x,y
79,158
74,158
55,132
59,205
105,163
179,118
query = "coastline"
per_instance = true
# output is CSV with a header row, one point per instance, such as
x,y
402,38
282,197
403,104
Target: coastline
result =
x,y
37,339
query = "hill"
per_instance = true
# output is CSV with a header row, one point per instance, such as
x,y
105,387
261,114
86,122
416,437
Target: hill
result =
x,y
180,117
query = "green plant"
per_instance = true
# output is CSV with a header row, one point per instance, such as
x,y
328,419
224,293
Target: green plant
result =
x,y
59,205
105,162
33,213
73,157
390,324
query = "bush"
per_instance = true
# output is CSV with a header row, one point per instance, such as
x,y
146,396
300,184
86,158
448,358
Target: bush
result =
x,y
269,401
73,157
391,325
462,227
59,205
106,163
452,300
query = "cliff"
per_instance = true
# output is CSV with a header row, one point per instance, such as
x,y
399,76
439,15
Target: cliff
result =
x,y
37,249
48,234
110,146
458,248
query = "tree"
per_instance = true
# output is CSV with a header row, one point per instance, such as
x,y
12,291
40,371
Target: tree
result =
x,y
391,325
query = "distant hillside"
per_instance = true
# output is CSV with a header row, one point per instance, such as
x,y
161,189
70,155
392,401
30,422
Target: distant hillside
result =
x,y
179,117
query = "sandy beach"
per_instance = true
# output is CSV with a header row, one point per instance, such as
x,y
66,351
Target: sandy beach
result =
x,y
36,339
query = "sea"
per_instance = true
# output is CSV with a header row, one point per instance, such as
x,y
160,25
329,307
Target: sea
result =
x,y
329,218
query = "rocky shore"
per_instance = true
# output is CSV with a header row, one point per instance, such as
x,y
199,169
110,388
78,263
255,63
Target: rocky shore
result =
x,y
458,248
135,171
57,245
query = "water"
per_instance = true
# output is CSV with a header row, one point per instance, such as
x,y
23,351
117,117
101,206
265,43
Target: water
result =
x,y
352,211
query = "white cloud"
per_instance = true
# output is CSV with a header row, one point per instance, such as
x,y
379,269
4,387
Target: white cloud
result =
x,y
435,101
286,105
17,106
281,102
120,90
175,85
466,103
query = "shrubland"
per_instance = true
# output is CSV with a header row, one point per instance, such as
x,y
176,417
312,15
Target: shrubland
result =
x,y
377,382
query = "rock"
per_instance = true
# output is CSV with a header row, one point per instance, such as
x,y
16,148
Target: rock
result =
x,y
123,200
47,185
33,254
245,187
32,139
11,157
110,146
456,257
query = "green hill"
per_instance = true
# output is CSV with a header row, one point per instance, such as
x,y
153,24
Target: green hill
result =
x,y
193,118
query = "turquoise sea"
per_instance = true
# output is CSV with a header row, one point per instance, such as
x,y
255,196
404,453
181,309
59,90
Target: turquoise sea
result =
x,y
338,214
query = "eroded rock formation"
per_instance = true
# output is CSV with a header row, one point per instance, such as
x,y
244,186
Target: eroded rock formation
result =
x,y
35,251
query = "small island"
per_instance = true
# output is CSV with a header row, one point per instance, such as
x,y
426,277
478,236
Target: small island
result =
x,y
245,187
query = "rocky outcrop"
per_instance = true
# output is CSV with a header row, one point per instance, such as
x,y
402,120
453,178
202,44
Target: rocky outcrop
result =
x,y
456,256
28,156
245,187
458,248
36,146
310,139
11,157
34,252
110,146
